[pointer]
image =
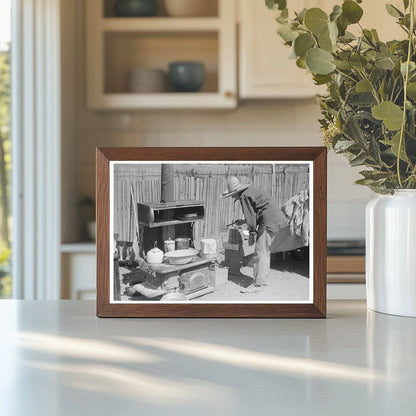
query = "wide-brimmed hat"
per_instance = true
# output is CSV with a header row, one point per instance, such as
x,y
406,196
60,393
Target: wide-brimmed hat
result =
x,y
233,186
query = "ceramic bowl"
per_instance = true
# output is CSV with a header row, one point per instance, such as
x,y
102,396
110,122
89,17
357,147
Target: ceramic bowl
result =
x,y
136,8
147,80
178,257
186,76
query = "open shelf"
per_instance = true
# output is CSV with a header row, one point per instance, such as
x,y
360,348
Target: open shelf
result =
x,y
79,247
160,24
165,101
108,9
127,51
116,46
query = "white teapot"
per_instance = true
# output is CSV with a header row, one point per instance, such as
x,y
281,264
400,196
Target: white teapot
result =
x,y
155,255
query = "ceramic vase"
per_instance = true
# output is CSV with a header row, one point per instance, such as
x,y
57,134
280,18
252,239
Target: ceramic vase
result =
x,y
391,253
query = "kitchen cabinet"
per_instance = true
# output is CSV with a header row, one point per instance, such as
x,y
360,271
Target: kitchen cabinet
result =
x,y
265,70
78,263
116,46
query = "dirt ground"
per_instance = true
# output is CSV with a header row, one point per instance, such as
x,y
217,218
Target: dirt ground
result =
x,y
288,281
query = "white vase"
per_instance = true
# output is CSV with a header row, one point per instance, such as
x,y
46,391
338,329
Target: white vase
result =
x,y
391,253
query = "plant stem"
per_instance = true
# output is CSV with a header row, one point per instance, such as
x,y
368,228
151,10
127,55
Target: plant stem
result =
x,y
345,75
373,89
406,80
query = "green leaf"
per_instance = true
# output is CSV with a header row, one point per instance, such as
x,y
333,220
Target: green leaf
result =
x,y
364,182
336,12
411,90
276,4
406,4
325,42
354,131
377,75
374,150
343,145
316,20
284,14
374,175
394,144
301,63
286,32
319,61
301,15
351,11
303,43
292,52
363,86
391,114
381,89
412,67
342,25
358,160
393,11
321,79
358,61
333,32
343,65
375,35
361,99
368,36
396,71
348,37
385,63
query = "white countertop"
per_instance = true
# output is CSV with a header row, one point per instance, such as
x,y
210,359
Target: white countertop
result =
x,y
56,358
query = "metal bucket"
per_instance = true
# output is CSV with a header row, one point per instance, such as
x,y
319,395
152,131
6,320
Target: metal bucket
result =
x,y
182,243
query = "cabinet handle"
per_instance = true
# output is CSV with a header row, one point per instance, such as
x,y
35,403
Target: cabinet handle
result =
x,y
228,94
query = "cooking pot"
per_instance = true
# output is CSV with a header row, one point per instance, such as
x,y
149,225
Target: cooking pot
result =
x,y
182,243
169,245
155,256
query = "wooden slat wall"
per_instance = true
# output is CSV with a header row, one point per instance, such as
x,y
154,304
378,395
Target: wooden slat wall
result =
x,y
145,180
205,183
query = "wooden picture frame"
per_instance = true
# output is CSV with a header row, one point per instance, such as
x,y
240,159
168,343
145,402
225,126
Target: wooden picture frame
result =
x,y
316,156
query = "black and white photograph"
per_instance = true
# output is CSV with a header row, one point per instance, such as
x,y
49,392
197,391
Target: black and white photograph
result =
x,y
215,232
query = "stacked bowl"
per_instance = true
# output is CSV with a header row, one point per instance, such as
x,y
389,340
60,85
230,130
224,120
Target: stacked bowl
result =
x,y
147,80
191,8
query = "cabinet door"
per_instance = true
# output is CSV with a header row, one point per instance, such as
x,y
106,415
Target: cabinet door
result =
x,y
265,68
78,276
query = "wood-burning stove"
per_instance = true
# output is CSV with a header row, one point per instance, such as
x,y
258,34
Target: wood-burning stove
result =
x,y
159,220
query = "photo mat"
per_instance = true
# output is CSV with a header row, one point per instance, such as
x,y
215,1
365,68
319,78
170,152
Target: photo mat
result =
x,y
136,192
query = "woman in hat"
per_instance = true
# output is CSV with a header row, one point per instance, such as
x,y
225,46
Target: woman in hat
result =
x,y
264,219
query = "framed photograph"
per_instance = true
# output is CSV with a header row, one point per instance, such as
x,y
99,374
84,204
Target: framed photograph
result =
x,y
211,232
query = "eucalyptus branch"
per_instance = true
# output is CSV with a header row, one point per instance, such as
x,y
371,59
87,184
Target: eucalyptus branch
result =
x,y
346,75
392,90
406,80
398,95
373,89
346,63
